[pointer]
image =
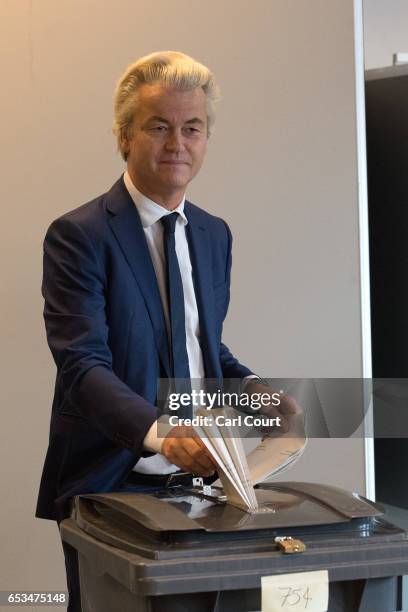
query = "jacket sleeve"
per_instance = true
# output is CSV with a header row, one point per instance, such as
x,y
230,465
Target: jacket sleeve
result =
x,y
74,289
231,367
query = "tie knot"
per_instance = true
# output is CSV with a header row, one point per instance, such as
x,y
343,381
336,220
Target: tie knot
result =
x,y
169,222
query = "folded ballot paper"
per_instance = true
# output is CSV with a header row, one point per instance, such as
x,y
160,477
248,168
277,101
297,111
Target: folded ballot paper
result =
x,y
239,472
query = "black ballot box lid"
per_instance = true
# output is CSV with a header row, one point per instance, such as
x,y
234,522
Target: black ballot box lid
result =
x,y
165,524
179,540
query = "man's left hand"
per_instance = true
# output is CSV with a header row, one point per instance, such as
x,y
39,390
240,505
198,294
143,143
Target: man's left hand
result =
x,y
285,410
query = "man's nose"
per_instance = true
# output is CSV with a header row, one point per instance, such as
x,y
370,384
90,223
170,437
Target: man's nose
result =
x,y
174,141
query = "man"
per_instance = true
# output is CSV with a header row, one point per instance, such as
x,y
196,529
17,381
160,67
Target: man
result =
x,y
136,287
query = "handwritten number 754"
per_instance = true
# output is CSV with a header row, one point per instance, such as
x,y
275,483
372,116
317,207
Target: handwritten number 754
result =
x,y
293,597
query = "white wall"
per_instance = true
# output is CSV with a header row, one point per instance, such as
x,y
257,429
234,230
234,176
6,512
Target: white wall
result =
x,y
281,169
385,31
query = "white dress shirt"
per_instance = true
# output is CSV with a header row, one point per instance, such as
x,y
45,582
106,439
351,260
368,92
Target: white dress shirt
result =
x,y
150,214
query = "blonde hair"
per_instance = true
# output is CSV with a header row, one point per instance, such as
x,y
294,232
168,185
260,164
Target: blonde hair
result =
x,y
168,68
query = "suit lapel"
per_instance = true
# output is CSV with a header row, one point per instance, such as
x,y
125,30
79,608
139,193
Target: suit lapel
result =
x,y
201,260
127,227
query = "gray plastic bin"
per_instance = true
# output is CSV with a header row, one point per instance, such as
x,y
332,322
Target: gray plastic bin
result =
x,y
181,551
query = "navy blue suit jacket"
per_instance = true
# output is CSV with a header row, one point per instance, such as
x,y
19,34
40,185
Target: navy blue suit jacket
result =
x,y
107,333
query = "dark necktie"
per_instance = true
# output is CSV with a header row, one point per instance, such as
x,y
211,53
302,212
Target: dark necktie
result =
x,y
178,352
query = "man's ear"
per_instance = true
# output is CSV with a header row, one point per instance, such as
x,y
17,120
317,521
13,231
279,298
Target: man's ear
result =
x,y
125,140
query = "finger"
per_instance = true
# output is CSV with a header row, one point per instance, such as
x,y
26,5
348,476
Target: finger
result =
x,y
190,455
181,432
177,455
288,405
273,412
204,448
187,451
199,454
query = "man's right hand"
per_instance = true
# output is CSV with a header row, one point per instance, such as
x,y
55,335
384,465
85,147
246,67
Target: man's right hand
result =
x,y
183,448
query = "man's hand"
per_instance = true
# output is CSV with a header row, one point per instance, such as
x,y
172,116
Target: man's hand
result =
x,y
183,448
287,408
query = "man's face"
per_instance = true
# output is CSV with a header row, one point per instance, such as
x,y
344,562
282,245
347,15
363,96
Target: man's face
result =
x,y
167,141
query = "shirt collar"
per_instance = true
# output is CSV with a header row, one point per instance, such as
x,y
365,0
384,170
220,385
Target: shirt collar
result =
x,y
150,211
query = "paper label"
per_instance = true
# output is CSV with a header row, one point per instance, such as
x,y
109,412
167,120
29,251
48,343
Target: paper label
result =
x,y
306,591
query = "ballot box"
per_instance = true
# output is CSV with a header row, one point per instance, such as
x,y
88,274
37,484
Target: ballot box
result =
x,y
188,550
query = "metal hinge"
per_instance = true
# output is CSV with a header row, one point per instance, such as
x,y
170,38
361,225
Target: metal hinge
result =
x,y
199,484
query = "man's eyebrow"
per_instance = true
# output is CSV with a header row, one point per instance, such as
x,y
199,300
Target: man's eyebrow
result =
x,y
194,120
157,118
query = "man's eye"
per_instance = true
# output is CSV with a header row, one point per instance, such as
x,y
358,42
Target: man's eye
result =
x,y
158,128
192,130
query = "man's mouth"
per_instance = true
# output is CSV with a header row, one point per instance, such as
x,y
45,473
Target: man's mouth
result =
x,y
174,162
